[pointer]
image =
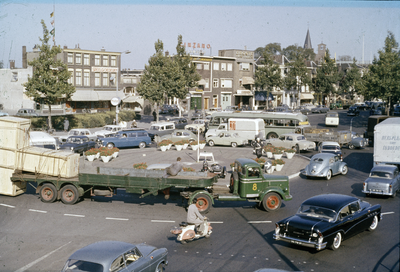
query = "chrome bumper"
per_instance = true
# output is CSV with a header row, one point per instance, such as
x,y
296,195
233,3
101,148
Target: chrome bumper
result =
x,y
376,192
305,243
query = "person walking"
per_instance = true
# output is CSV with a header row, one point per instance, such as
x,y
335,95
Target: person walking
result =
x,y
154,115
66,124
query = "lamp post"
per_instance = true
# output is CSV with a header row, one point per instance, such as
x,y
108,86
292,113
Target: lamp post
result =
x,y
117,80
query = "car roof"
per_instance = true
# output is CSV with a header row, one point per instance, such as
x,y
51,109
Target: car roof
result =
x,y
103,252
384,168
330,201
162,123
330,143
292,134
78,136
323,156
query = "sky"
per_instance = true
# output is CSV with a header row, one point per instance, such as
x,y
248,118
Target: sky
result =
x,y
354,28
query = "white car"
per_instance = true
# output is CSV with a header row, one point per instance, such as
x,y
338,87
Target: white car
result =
x,y
78,132
108,130
332,118
197,125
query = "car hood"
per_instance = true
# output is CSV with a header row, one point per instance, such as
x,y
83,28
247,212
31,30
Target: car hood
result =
x,y
67,146
331,151
103,132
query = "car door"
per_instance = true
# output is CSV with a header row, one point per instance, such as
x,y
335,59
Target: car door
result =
x,y
288,143
133,140
353,220
220,139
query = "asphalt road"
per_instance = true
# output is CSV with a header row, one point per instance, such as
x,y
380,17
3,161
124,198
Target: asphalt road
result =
x,y
35,236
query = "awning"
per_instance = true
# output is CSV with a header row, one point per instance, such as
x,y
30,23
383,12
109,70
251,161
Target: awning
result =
x,y
202,82
244,93
108,95
132,99
248,80
91,95
306,96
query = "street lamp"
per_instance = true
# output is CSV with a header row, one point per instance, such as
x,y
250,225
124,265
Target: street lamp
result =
x,y
117,80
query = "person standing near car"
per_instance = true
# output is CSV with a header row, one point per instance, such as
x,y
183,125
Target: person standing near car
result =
x,y
66,124
154,115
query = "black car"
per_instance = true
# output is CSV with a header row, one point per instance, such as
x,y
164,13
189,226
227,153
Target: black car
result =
x,y
326,220
353,111
78,144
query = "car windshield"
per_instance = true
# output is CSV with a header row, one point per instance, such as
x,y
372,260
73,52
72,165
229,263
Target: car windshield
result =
x,y
301,138
332,115
73,132
74,140
78,265
317,212
380,174
108,128
330,147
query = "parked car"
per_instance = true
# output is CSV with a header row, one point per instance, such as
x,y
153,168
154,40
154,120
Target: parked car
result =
x,y
227,138
282,108
353,111
330,147
108,129
197,114
198,125
326,220
78,144
2,113
77,132
291,140
180,122
320,109
332,119
383,180
303,110
113,256
396,111
127,138
160,129
179,135
27,112
357,141
231,108
325,165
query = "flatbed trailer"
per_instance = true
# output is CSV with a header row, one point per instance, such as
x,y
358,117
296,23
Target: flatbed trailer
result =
x,y
319,135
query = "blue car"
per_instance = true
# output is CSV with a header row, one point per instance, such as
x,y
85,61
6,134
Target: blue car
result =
x,y
127,138
78,144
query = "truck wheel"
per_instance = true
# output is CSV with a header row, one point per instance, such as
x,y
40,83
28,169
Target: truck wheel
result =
x,y
110,145
48,193
271,202
142,145
272,135
234,144
234,177
211,143
203,203
69,194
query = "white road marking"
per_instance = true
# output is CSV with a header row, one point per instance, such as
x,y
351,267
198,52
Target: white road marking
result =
x,y
259,222
8,206
387,213
73,215
215,222
162,221
26,267
39,211
120,219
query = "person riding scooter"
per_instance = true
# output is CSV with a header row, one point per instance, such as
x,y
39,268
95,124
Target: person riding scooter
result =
x,y
193,216
257,147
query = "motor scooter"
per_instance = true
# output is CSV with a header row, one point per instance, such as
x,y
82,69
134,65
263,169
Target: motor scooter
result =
x,y
214,168
187,232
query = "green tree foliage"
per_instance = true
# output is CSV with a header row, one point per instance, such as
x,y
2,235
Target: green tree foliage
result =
x,y
383,78
327,76
267,75
271,48
297,75
292,51
351,82
1,64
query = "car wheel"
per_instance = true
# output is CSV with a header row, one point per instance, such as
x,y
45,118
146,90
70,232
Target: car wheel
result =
x,y
203,203
272,135
110,145
345,169
296,148
336,241
211,143
234,144
159,268
142,145
374,224
329,175
48,193
69,194
351,146
271,202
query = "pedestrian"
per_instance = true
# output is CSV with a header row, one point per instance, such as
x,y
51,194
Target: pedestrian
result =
x,y
174,168
114,122
66,124
154,115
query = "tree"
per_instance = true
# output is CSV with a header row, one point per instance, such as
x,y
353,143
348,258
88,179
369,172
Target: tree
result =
x,y
187,75
297,75
383,78
327,76
49,82
1,64
292,51
271,48
268,74
352,82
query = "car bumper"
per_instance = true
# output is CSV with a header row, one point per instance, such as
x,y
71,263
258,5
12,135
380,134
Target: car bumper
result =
x,y
316,245
376,192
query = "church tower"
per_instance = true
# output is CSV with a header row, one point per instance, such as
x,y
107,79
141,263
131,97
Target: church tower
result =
x,y
307,42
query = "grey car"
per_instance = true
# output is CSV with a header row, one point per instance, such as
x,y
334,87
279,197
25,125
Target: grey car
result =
x,y
179,135
113,256
27,112
227,138
320,109
325,165
291,140
383,180
357,141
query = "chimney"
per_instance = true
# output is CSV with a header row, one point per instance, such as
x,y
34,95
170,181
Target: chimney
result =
x,y
24,58
166,53
12,64
65,47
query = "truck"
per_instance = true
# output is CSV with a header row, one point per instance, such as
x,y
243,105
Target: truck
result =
x,y
319,135
244,127
387,142
57,175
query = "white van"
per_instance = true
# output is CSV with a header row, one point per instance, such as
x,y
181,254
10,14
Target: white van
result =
x,y
247,128
332,118
43,139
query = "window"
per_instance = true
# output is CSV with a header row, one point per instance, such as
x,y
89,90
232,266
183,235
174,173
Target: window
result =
x,y
215,82
241,82
244,66
70,58
114,76
86,59
206,66
78,75
229,67
14,77
71,78
97,60
223,66
226,83
207,83
106,80
86,78
78,58
216,66
105,60
96,79
198,66
113,60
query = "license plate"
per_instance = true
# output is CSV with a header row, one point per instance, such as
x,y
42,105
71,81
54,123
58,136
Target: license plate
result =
x,y
296,242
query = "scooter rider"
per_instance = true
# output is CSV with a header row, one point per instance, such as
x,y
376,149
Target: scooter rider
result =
x,y
193,216
257,147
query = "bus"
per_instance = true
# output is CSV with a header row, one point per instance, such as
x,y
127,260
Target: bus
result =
x,y
276,123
